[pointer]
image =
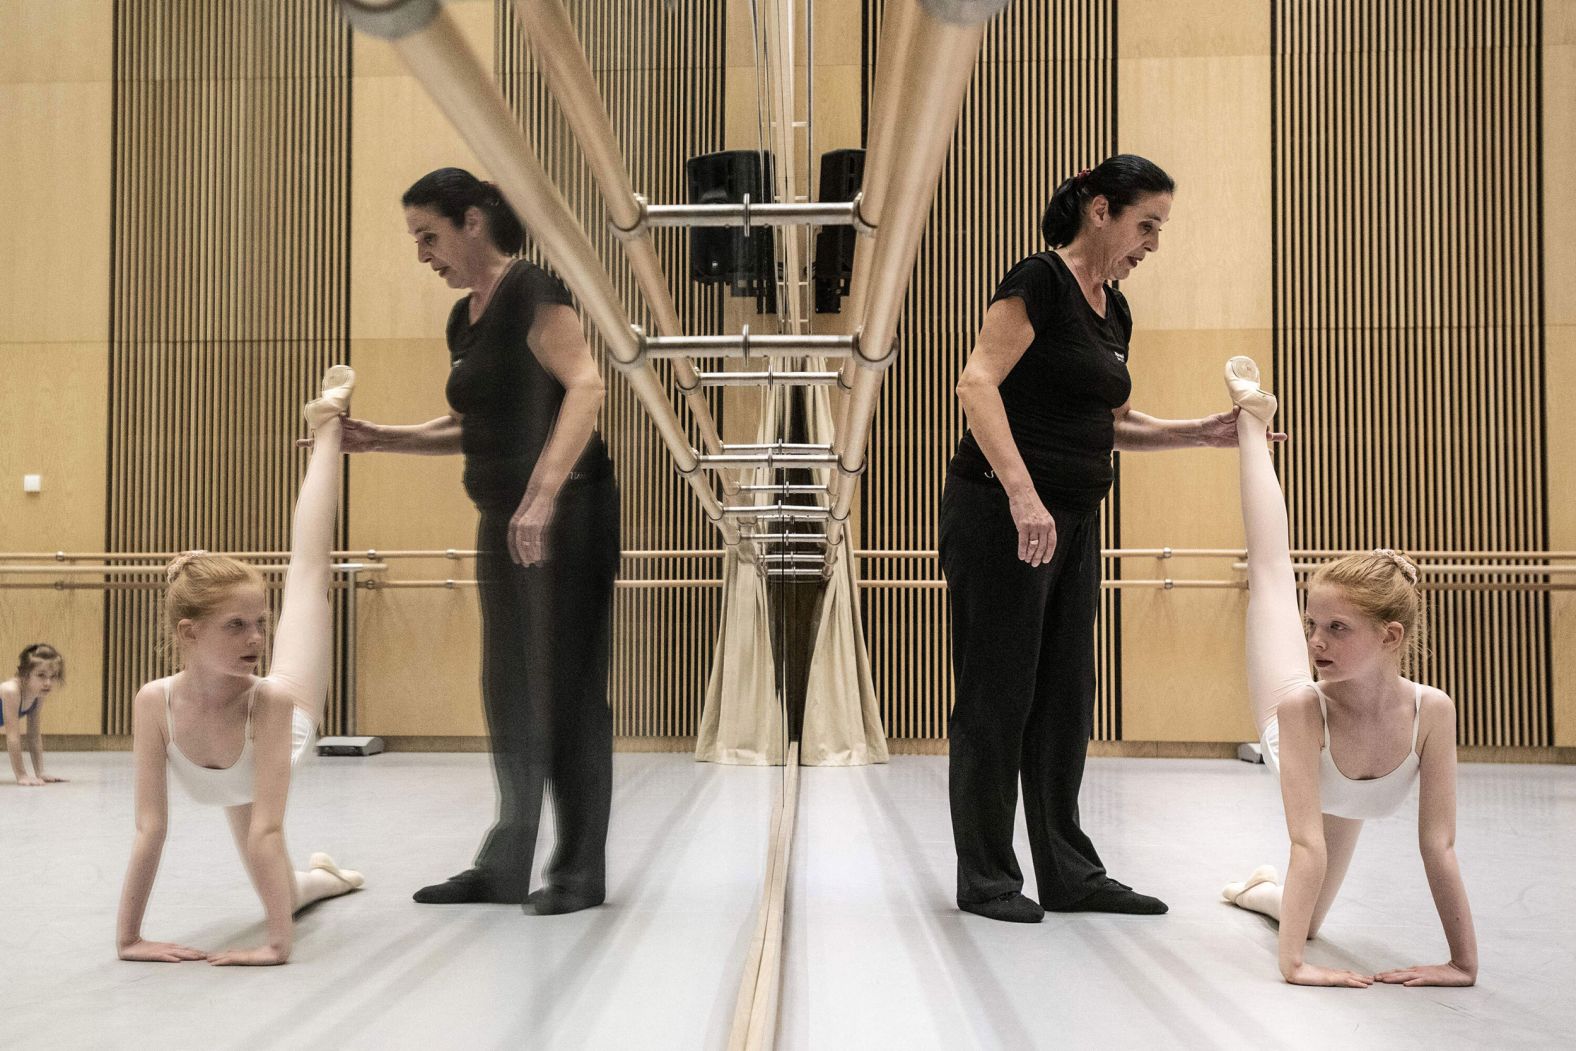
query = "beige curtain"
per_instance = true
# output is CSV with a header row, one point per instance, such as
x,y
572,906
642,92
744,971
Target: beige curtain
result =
x,y
742,722
842,718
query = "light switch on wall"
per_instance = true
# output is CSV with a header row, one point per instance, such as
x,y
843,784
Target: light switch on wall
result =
x,y
32,483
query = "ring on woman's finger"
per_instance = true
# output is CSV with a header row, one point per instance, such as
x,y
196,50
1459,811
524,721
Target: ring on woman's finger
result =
x,y
1034,540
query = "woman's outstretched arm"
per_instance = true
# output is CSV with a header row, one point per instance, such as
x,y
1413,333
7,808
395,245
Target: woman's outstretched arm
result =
x,y
151,807
1436,838
436,437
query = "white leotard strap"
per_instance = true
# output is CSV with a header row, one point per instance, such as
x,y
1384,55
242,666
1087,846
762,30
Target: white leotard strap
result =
x,y
169,719
1417,713
1324,713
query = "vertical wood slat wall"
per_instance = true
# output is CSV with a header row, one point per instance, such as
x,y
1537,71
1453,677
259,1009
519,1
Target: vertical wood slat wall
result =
x,y
229,287
1408,330
1041,106
660,72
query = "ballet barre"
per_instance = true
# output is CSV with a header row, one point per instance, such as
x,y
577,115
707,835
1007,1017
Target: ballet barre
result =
x,y
927,55
161,569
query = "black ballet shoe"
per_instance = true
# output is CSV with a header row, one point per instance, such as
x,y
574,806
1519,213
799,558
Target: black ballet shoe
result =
x,y
466,888
1011,907
555,901
1120,898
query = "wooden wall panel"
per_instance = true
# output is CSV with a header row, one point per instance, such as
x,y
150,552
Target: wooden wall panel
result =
x,y
55,106
52,424
1195,100
660,70
1041,106
228,286
1409,352
1559,305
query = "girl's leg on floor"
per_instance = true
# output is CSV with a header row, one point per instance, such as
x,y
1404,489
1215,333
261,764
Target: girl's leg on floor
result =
x,y
322,880
1340,843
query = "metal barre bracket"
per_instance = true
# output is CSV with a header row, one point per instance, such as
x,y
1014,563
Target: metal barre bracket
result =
x,y
636,363
875,364
631,233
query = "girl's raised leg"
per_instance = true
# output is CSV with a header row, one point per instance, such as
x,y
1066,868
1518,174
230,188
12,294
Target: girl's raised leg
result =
x,y
303,645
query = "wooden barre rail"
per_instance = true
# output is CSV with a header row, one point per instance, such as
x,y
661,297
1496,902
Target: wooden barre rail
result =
x,y
376,556
1163,584
160,570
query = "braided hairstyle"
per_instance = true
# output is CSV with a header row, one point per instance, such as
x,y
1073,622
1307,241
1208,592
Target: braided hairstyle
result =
x,y
1383,584
196,584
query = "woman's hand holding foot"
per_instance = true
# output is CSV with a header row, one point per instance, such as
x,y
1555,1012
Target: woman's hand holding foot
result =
x,y
1310,974
1433,974
360,436
142,951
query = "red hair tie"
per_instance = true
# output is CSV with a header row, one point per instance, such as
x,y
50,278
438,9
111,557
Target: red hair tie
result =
x,y
1082,175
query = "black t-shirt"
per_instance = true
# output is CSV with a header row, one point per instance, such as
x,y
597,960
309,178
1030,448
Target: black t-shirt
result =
x,y
508,401
1060,395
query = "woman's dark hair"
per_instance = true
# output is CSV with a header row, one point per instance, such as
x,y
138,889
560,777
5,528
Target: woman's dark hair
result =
x,y
1121,180
450,191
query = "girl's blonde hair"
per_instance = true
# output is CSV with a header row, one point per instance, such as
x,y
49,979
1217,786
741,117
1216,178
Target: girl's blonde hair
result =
x,y
1383,584
197,583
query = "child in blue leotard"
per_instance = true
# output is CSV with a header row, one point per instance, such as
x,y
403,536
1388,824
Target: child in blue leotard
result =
x,y
39,670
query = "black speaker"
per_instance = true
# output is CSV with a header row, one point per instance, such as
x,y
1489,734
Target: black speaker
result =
x,y
842,172
738,257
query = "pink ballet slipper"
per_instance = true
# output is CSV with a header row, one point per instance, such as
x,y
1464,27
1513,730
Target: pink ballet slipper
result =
x,y
1242,380
338,382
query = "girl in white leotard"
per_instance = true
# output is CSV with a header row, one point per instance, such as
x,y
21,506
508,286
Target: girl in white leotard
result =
x,y
228,737
1351,745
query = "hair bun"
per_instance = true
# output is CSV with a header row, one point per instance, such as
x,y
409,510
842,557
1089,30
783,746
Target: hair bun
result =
x,y
179,564
1407,567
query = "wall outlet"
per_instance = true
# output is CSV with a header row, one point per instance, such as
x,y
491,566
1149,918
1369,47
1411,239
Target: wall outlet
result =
x,y
32,483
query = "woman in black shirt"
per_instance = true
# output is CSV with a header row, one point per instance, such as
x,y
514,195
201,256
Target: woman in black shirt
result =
x,y
525,393
1046,391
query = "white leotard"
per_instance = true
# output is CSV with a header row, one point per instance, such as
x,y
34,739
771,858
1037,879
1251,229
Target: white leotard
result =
x,y
231,785
1343,796
224,786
